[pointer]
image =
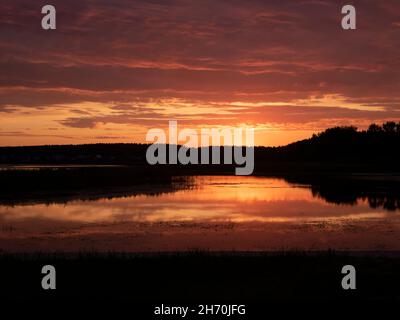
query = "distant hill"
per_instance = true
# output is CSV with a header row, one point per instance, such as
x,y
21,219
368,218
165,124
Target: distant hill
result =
x,y
377,145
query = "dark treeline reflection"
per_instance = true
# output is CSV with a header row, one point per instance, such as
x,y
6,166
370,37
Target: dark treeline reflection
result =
x,y
94,194
390,202
380,192
62,185
50,186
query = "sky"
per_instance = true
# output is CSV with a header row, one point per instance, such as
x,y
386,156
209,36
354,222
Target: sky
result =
x,y
112,70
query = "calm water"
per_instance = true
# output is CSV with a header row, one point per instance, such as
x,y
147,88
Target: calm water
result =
x,y
212,213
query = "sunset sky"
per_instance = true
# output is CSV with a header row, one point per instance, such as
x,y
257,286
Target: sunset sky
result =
x,y
114,69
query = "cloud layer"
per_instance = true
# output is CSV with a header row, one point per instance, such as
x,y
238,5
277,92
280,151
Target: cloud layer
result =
x,y
113,69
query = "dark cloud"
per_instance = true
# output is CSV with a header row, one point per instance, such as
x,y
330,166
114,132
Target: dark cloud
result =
x,y
128,54
274,114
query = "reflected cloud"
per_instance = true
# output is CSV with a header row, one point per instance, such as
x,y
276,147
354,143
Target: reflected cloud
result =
x,y
216,212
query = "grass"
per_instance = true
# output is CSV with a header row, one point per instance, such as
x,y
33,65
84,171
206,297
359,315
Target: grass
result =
x,y
201,276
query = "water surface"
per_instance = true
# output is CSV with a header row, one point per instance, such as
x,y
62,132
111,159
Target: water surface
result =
x,y
208,213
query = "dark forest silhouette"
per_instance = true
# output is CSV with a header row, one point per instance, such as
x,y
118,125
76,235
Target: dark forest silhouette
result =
x,y
378,144
344,144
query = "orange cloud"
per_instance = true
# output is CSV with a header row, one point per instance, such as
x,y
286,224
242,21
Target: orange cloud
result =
x,y
112,70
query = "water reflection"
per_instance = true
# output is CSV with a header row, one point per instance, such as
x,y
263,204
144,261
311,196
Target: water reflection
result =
x,y
341,192
216,198
237,212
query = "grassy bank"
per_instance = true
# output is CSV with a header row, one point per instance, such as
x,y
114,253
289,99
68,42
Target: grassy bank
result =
x,y
201,276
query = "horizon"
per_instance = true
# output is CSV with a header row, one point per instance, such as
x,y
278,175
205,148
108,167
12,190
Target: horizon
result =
x,y
359,130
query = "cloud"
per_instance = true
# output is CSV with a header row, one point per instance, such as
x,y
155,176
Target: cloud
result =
x,y
132,59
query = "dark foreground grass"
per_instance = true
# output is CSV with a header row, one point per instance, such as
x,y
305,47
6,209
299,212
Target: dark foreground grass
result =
x,y
285,285
201,276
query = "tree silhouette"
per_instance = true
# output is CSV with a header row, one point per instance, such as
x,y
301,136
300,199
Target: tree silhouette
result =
x,y
389,127
374,129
